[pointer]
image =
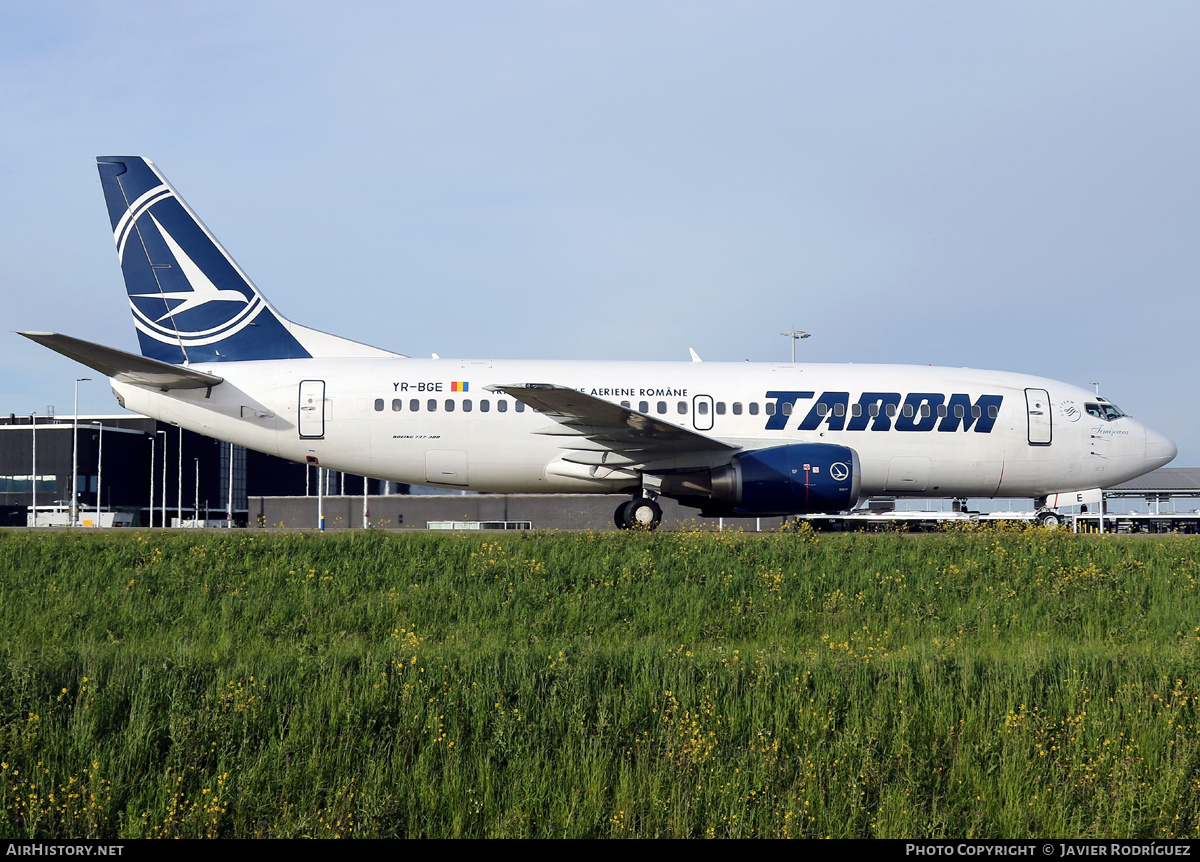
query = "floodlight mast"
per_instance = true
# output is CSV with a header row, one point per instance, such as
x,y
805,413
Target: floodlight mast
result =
x,y
795,334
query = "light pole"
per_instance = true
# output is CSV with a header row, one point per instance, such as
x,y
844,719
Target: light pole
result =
x,y
320,500
99,469
179,501
196,504
151,507
33,487
163,517
795,334
75,455
229,502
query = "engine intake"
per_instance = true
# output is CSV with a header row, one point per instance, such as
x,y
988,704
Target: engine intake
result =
x,y
799,479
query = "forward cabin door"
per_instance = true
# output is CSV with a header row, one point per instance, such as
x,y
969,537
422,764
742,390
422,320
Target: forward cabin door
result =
x,y
312,409
1037,403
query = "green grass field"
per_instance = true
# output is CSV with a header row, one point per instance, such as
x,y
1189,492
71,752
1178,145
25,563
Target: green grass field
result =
x,y
675,684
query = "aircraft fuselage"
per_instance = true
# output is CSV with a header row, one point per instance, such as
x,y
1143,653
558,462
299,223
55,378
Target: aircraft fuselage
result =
x,y
918,431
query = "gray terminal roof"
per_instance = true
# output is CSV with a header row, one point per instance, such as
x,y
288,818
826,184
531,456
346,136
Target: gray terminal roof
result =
x,y
1184,481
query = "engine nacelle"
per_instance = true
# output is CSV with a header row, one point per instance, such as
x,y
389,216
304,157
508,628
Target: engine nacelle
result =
x,y
800,479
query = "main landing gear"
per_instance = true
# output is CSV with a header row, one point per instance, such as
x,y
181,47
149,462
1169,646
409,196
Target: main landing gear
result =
x,y
640,513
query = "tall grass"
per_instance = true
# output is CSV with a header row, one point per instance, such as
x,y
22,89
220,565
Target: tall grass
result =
x,y
675,684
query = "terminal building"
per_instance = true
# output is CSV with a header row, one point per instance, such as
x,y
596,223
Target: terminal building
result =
x,y
136,471
143,471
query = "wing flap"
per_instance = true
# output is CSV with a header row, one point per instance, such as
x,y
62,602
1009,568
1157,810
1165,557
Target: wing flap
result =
x,y
600,433
122,366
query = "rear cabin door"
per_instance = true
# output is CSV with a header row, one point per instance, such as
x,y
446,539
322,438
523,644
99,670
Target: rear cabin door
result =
x,y
312,409
1037,402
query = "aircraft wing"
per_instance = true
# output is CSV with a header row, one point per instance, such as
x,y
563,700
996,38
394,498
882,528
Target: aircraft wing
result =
x,y
126,367
600,433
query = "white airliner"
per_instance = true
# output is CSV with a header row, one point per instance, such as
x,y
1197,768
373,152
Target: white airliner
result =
x,y
731,439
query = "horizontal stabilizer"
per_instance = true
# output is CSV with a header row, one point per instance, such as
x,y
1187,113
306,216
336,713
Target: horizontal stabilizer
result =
x,y
122,366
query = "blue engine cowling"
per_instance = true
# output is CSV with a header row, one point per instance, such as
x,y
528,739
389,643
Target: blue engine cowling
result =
x,y
800,479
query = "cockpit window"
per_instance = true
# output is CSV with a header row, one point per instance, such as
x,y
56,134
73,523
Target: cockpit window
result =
x,y
1108,412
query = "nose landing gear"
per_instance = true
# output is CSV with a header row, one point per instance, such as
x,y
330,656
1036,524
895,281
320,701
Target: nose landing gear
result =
x,y
640,513
1049,519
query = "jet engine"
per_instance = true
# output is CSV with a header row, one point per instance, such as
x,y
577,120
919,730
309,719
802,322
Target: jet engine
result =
x,y
800,479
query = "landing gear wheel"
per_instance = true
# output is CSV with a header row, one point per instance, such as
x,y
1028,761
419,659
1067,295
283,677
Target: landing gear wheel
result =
x,y
1049,520
640,513
643,513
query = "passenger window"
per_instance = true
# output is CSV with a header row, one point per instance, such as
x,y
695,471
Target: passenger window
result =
x,y
501,406
625,404
856,409
449,405
976,411
432,405
959,412
485,406
908,411
839,409
925,411
720,408
702,408
396,405
378,405
941,411
520,407
682,408
770,408
661,406
643,407
891,411
822,409
786,409
874,411
753,408
466,405
414,405
993,411
737,408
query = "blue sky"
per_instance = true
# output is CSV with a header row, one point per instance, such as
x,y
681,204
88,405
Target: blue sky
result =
x,y
1007,185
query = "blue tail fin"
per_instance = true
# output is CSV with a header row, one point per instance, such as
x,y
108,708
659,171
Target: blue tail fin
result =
x,y
190,301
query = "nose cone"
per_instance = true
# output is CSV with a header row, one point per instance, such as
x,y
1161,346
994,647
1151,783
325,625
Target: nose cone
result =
x,y
1159,450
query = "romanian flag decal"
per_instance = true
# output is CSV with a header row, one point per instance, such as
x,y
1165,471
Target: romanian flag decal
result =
x,y
458,385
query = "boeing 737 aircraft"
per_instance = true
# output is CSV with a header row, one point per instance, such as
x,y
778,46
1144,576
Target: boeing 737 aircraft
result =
x,y
731,439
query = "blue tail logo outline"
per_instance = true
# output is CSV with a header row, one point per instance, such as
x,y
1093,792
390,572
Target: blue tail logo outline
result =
x,y
190,300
